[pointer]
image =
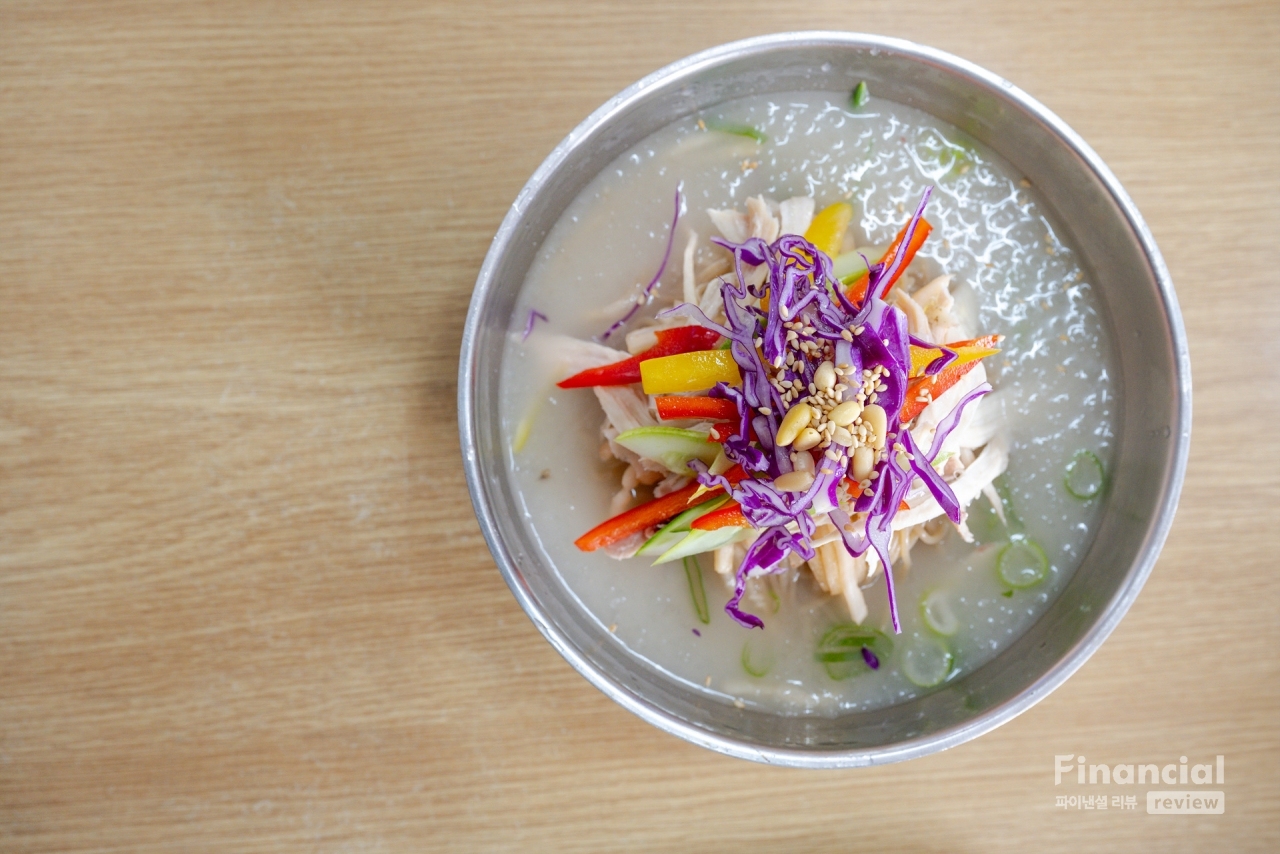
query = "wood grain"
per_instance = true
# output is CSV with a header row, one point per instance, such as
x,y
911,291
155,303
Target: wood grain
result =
x,y
244,604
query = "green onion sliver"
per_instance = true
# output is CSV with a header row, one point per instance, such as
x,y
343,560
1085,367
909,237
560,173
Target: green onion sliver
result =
x,y
760,665
1085,477
927,662
696,588
860,94
935,609
840,650
1022,563
738,130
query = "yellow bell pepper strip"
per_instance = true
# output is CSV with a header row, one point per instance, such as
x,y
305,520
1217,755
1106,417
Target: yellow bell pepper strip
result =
x,y
936,384
681,339
966,351
858,290
689,372
827,229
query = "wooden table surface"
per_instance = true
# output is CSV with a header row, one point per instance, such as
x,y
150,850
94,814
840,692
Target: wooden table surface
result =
x,y
244,603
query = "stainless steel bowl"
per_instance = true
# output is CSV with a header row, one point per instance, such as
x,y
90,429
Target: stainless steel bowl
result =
x,y
1115,248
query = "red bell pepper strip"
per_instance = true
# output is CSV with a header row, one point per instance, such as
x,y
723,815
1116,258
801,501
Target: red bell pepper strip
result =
x,y
728,516
935,385
721,432
855,492
858,289
671,342
709,408
647,515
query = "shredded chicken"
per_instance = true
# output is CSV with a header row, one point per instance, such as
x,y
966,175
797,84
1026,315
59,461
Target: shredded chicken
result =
x,y
917,322
690,287
795,215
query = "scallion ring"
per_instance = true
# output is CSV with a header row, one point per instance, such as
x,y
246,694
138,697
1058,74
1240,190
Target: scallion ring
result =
x,y
1085,477
1022,563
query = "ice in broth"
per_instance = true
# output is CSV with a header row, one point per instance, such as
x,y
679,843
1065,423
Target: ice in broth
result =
x,y
963,594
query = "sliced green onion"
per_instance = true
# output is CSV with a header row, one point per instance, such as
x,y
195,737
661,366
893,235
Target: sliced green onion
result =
x,y
758,666
962,161
927,662
1012,520
738,130
1085,476
693,571
678,528
848,267
936,610
697,542
860,94
840,650
1022,563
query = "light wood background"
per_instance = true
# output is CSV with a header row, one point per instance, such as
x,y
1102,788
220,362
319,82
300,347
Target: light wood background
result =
x,y
244,604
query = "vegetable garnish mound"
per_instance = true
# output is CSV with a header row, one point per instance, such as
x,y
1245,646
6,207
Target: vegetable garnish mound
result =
x,y
812,399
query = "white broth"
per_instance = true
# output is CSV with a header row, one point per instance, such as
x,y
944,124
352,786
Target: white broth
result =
x,y
1016,276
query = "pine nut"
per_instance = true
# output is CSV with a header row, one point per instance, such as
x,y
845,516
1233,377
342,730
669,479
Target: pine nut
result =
x,y
863,459
802,461
825,376
795,481
841,436
846,413
807,439
873,415
796,419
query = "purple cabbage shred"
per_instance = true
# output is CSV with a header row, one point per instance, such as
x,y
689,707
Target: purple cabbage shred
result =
x,y
870,658
534,316
647,293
